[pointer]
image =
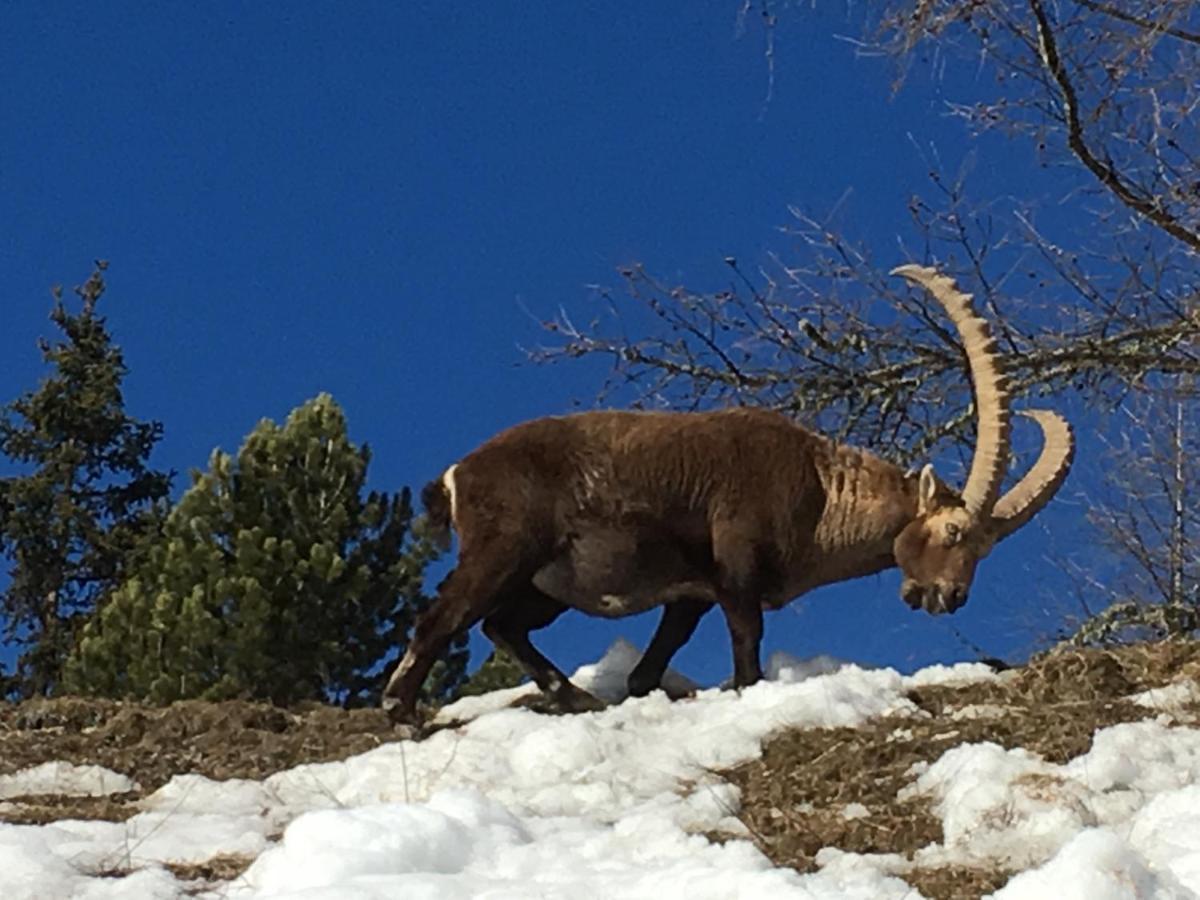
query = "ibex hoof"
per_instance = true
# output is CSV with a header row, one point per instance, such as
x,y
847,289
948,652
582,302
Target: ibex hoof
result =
x,y
399,713
405,731
640,685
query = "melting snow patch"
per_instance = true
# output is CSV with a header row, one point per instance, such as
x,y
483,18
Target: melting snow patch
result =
x,y
959,673
65,779
1170,698
998,804
1139,781
1095,865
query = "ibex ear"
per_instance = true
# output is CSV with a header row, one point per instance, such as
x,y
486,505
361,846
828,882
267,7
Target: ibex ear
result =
x,y
927,491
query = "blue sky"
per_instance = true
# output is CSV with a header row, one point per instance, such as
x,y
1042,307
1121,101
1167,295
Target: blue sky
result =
x,y
380,200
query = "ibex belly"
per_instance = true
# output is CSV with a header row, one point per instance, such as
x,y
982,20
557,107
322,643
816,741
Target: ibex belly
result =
x,y
613,572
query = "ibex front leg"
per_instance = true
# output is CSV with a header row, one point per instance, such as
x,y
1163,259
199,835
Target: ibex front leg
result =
x,y
744,616
679,621
745,575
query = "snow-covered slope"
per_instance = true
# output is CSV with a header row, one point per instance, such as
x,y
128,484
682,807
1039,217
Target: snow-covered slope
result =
x,y
615,804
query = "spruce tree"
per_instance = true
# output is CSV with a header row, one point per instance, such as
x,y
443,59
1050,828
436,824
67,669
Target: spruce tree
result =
x,y
275,578
83,495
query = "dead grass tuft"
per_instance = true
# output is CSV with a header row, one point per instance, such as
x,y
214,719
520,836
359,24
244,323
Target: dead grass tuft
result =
x,y
39,809
224,867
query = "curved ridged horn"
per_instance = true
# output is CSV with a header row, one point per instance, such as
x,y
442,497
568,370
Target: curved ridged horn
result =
x,y
990,460
1042,481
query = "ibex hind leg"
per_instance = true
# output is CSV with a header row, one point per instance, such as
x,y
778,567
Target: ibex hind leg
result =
x,y
472,590
520,612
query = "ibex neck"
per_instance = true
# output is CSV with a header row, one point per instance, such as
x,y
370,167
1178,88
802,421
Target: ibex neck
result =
x,y
868,502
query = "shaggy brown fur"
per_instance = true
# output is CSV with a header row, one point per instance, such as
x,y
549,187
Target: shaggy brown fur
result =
x,y
613,513
631,504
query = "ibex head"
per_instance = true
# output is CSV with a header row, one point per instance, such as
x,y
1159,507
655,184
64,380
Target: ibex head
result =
x,y
939,550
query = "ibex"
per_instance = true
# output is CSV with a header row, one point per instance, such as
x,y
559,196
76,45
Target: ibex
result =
x,y
614,513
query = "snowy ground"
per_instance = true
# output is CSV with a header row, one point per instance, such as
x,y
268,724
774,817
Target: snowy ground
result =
x,y
615,805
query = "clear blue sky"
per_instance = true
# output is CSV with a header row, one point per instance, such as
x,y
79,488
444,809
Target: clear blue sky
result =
x,y
366,198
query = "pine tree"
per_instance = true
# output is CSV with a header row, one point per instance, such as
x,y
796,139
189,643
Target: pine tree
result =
x,y
85,495
274,579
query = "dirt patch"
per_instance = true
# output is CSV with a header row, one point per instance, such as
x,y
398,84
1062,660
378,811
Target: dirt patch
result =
x,y
233,739
838,787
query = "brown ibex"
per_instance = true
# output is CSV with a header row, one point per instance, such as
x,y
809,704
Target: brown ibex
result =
x,y
614,513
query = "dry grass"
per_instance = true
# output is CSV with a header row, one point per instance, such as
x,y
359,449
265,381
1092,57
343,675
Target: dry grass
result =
x,y
225,867
234,739
200,877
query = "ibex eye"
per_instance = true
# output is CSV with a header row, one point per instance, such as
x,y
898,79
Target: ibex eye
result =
x,y
953,533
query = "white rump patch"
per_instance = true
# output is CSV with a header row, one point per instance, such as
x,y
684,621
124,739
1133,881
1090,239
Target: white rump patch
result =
x,y
448,483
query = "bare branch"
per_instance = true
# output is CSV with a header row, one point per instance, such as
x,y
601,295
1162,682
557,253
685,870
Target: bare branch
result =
x,y
1140,22
1106,173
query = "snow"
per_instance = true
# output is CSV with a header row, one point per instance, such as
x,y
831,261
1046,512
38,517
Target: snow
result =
x,y
1000,804
1095,865
509,804
1170,698
462,844
783,666
468,708
65,778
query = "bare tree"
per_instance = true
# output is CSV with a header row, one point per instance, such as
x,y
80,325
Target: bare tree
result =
x,y
1097,313
1148,520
